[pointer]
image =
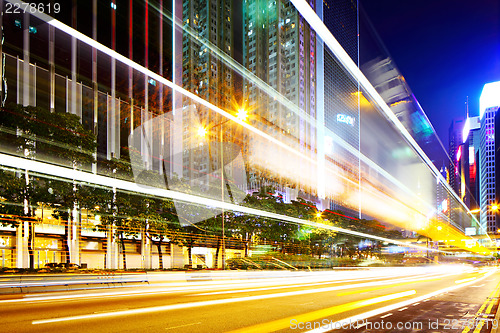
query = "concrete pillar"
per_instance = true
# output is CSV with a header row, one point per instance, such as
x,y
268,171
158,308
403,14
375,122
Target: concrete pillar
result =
x,y
112,249
177,256
74,237
145,251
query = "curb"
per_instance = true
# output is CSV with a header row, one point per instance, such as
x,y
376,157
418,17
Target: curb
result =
x,y
496,321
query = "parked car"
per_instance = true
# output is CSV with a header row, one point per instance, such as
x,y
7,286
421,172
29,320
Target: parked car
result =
x,y
68,265
51,265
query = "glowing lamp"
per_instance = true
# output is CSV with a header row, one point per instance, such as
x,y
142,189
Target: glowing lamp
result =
x,y
490,97
202,131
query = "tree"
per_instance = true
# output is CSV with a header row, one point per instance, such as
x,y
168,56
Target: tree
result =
x,y
20,199
39,134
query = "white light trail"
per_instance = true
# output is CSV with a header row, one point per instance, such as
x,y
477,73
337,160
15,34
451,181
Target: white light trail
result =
x,y
70,174
392,307
98,46
212,302
306,11
322,31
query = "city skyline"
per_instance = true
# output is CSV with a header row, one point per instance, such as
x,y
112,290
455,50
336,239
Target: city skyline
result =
x,y
442,68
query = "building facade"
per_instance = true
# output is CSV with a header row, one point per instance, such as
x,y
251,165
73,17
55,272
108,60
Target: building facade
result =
x,y
489,144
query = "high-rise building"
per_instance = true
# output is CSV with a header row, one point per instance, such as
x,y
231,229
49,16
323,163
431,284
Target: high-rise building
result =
x,y
455,151
469,162
208,26
341,98
207,36
279,48
489,104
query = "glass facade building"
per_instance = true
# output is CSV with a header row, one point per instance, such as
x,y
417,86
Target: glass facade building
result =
x,y
163,133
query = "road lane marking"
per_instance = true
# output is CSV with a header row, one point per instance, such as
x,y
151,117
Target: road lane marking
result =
x,y
423,298
183,288
174,327
488,299
416,303
204,303
466,280
481,285
385,316
377,283
360,326
384,287
314,315
402,309
200,304
185,305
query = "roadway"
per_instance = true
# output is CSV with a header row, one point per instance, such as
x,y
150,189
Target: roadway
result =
x,y
437,295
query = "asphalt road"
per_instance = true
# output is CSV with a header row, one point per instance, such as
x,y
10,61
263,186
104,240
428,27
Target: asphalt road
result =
x,y
446,295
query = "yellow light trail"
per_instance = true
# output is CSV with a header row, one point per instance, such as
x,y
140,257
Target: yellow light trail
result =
x,y
315,315
353,292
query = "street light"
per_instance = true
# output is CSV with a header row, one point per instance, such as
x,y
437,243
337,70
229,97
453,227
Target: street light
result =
x,y
202,131
242,114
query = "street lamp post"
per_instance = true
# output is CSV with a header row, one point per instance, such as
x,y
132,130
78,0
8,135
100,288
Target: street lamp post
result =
x,y
222,198
242,115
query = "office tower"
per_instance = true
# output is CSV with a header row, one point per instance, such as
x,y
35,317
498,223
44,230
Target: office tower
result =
x,y
279,48
208,26
341,18
341,99
207,36
443,198
455,151
470,163
489,104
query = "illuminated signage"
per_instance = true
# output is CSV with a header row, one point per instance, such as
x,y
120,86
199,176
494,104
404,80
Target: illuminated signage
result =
x,y
443,207
466,130
342,118
471,231
459,153
471,124
472,156
490,97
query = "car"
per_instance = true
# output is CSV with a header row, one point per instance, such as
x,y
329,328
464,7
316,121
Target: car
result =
x,y
68,265
51,265
417,261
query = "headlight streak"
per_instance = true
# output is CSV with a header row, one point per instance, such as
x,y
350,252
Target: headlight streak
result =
x,y
75,175
270,278
307,317
89,41
391,307
175,288
465,280
185,305
384,284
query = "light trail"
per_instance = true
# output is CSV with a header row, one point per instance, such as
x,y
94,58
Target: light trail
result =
x,y
383,284
392,307
316,279
332,44
204,303
86,177
308,317
345,60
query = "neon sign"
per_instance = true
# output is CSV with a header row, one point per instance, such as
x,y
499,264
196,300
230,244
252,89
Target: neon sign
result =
x,y
342,118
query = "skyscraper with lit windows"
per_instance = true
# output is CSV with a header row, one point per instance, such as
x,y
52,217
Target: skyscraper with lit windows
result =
x,y
279,48
489,104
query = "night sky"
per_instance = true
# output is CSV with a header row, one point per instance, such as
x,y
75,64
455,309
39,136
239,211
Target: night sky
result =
x,y
446,49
